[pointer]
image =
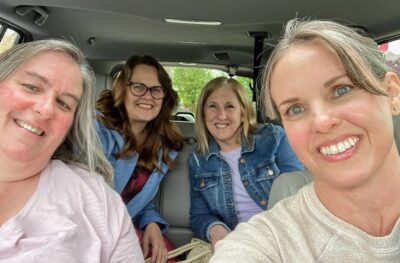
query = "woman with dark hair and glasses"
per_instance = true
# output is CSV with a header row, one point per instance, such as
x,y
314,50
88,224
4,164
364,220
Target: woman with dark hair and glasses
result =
x,y
141,142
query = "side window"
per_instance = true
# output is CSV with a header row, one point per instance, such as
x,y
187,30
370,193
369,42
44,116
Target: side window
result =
x,y
8,37
391,50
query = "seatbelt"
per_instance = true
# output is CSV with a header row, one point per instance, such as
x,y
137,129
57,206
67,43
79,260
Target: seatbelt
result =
x,y
258,50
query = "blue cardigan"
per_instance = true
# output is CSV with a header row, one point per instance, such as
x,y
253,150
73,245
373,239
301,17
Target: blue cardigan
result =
x,y
141,207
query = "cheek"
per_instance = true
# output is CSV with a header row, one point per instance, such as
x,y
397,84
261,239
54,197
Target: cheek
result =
x,y
207,115
63,125
297,136
159,104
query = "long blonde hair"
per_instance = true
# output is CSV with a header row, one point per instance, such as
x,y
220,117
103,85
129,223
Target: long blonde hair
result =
x,y
249,122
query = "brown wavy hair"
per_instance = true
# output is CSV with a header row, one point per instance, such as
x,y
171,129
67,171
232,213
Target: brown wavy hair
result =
x,y
160,132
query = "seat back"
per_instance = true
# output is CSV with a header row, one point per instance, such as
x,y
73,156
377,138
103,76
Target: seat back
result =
x,y
103,81
174,194
288,184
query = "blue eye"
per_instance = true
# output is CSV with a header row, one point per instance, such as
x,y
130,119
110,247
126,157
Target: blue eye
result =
x,y
295,109
342,90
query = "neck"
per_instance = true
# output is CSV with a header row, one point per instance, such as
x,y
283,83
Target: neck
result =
x,y
17,185
139,131
14,195
373,207
228,146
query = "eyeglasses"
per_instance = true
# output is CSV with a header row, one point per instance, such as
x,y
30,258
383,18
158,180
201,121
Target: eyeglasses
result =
x,y
139,89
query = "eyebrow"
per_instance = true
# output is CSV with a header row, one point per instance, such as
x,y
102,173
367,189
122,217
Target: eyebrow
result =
x,y
334,79
150,87
45,81
326,84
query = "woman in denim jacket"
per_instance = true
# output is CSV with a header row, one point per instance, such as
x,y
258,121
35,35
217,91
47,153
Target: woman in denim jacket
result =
x,y
237,160
141,143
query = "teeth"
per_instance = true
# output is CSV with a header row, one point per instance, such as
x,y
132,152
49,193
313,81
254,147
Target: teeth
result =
x,y
221,125
29,127
339,147
145,106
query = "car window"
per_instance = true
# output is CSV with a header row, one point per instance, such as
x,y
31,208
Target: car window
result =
x,y
391,51
9,38
189,81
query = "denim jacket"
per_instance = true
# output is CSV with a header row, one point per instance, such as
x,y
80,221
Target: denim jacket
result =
x,y
141,207
267,155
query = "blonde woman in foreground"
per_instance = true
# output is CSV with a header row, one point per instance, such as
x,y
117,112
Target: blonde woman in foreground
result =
x,y
335,96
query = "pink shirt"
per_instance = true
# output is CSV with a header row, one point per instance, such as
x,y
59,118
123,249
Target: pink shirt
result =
x,y
73,216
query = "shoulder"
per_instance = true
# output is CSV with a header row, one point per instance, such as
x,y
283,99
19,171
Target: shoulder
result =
x,y
74,172
268,137
196,158
76,181
269,129
77,189
109,136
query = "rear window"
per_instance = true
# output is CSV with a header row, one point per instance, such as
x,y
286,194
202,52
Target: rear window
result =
x,y
189,81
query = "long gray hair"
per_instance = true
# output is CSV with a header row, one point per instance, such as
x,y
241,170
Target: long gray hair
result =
x,y
81,145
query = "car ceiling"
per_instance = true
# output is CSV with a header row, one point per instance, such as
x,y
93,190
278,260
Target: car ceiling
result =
x,y
122,28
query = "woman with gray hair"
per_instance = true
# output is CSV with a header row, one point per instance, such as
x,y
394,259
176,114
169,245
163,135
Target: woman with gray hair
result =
x,y
335,97
54,207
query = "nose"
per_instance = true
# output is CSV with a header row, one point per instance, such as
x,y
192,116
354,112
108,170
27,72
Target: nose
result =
x,y
147,94
221,115
45,106
324,119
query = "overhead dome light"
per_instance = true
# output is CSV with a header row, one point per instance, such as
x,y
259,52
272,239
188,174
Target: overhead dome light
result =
x,y
187,64
189,42
193,22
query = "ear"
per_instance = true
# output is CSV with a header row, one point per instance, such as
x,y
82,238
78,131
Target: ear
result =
x,y
392,87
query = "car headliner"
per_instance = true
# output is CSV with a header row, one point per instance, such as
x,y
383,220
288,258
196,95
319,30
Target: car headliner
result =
x,y
121,28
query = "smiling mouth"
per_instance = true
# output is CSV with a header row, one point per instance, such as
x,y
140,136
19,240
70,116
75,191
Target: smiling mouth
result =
x,y
339,147
221,126
145,106
29,127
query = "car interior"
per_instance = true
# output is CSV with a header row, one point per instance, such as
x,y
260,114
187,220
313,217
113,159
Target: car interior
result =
x,y
235,37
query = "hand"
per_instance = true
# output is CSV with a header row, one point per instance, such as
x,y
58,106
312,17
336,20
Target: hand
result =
x,y
153,239
217,233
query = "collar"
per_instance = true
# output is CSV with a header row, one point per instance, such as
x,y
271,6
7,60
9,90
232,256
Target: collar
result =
x,y
247,145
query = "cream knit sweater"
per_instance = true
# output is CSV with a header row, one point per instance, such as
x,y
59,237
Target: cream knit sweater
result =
x,y
301,229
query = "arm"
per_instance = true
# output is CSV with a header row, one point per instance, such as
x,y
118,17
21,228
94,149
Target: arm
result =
x,y
149,215
202,219
286,159
124,242
104,135
250,242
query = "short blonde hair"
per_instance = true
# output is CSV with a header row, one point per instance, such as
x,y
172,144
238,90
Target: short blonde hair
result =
x,y
249,122
364,64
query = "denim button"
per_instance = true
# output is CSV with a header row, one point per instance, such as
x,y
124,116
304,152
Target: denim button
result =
x,y
264,202
242,160
246,183
202,184
270,172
